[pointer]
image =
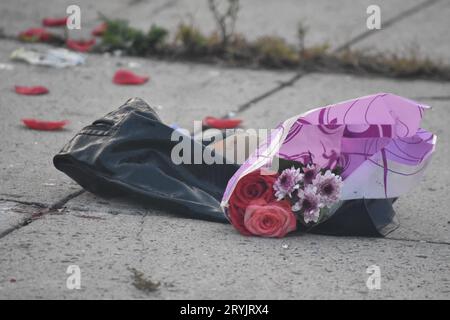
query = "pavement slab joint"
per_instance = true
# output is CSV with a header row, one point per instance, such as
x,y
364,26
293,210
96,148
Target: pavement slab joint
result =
x,y
402,15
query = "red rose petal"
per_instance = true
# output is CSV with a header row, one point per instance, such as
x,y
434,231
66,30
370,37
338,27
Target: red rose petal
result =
x,y
128,77
35,34
32,91
54,22
221,123
99,30
80,45
44,125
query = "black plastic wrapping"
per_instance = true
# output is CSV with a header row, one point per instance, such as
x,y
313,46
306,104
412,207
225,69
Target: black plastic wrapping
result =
x,y
128,153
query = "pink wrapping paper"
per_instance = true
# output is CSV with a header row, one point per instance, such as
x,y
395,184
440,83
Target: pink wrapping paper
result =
x,y
376,139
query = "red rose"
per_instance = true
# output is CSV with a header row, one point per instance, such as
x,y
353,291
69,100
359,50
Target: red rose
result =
x,y
252,187
236,216
274,219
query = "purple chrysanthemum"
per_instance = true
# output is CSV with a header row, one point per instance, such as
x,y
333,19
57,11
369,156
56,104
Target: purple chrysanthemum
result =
x,y
328,187
309,204
287,182
309,173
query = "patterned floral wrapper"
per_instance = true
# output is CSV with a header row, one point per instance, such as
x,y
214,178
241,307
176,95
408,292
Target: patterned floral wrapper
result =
x,y
376,140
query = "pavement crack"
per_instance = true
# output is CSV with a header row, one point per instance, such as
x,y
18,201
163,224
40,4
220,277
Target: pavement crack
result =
x,y
419,241
24,222
387,23
43,210
28,203
59,204
8,231
436,98
141,239
402,15
279,87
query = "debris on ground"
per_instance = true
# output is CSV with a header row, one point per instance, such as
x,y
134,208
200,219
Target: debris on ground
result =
x,y
47,184
127,77
231,114
142,283
36,124
32,91
58,58
129,64
219,123
6,66
117,53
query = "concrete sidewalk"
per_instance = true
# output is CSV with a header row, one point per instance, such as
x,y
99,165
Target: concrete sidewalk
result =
x,y
197,259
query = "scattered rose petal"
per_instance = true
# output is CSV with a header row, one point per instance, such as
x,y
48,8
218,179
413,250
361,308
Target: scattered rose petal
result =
x,y
99,30
54,22
44,125
80,45
32,91
35,34
127,77
221,123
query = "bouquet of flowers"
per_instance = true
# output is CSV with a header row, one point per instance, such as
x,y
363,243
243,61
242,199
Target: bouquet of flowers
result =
x,y
270,204
367,148
333,170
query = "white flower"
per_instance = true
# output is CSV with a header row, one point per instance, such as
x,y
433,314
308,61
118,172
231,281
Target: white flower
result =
x,y
287,182
309,204
328,187
309,173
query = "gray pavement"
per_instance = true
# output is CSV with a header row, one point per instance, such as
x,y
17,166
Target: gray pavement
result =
x,y
197,259
201,260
